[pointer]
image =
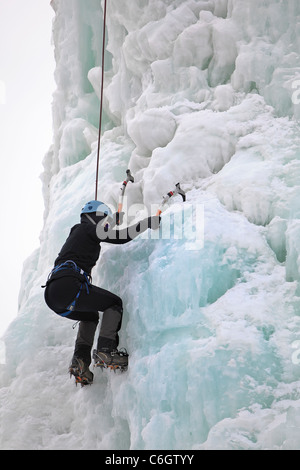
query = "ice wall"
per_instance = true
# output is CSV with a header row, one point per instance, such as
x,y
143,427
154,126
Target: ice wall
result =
x,y
205,93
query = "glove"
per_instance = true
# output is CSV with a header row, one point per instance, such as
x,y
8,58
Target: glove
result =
x,y
155,222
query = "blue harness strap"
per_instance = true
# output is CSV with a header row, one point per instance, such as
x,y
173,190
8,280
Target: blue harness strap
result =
x,y
72,265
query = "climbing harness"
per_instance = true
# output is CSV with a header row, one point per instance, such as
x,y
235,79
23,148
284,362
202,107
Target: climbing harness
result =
x,y
87,282
101,98
129,178
170,194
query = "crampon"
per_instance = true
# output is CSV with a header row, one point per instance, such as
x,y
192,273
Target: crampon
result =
x,y
81,372
114,360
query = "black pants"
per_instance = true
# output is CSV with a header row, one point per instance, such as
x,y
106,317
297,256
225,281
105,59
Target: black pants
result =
x,y
61,292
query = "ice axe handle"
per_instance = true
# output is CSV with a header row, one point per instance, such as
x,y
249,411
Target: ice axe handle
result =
x,y
120,214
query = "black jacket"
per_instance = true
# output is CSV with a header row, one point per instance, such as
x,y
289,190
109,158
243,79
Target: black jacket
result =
x,y
83,244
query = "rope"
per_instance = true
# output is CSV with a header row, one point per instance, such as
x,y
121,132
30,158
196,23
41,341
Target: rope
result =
x,y
101,99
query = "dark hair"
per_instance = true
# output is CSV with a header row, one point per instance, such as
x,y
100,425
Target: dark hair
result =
x,y
92,217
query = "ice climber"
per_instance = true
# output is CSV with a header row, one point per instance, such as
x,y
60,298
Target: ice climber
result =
x,y
70,293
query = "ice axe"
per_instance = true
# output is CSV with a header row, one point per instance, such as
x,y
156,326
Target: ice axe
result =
x,y
170,194
129,178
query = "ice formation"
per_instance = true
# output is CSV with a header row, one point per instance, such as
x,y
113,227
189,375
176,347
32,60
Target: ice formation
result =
x,y
206,93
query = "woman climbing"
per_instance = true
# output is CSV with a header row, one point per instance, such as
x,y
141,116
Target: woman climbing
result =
x,y
70,294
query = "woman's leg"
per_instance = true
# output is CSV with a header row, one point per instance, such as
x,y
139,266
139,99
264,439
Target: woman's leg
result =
x,y
61,292
112,308
84,341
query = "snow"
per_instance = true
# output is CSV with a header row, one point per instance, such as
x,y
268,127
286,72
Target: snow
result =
x,y
205,93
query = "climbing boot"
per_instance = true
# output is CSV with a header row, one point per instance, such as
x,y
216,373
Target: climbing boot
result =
x,y
113,359
81,372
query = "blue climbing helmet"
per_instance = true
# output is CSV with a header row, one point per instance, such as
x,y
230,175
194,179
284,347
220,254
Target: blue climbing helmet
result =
x,y
96,206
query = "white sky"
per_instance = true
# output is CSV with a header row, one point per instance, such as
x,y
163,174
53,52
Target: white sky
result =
x,y
26,88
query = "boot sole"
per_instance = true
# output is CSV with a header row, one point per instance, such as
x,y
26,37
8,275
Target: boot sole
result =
x,y
115,367
98,362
